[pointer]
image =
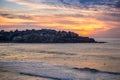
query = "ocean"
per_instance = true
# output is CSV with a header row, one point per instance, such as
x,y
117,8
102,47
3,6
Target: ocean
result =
x,y
61,61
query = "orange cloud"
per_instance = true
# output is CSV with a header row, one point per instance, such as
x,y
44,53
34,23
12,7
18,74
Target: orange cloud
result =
x,y
82,25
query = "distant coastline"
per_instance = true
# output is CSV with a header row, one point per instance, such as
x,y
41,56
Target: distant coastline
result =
x,y
43,36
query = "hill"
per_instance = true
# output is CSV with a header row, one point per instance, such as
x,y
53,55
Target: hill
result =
x,y
43,36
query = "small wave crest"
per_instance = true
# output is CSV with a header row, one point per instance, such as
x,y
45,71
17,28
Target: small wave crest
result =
x,y
43,76
95,71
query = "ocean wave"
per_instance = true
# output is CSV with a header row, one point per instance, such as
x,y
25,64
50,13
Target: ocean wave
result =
x,y
103,56
44,51
95,71
42,76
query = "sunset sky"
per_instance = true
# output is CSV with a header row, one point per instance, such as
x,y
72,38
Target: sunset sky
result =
x,y
94,18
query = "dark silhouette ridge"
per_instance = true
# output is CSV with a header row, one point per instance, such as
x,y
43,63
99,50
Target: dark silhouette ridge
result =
x,y
43,36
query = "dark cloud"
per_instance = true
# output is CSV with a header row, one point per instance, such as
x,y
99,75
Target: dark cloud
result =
x,y
117,5
7,15
91,3
12,16
77,3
